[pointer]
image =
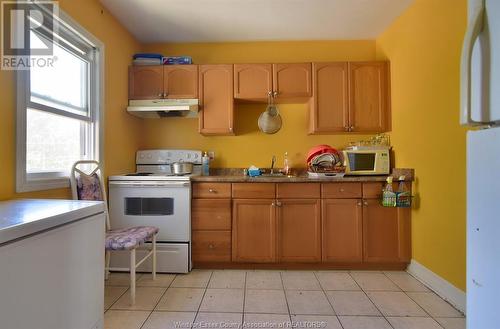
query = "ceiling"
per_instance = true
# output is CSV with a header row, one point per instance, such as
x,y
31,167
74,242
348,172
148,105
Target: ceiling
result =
x,y
255,20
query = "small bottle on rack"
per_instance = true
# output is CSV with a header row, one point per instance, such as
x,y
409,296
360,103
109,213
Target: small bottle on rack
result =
x,y
388,195
286,165
205,164
403,197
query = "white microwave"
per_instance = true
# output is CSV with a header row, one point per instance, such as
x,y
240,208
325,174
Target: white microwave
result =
x,y
367,161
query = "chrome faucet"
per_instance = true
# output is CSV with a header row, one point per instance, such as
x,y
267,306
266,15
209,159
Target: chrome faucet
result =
x,y
273,161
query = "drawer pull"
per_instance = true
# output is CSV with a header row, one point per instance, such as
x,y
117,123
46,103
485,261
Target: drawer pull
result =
x,y
342,189
211,246
211,190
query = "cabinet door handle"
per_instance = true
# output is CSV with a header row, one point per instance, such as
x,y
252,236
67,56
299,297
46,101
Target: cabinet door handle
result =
x,y
278,203
359,204
273,204
276,93
160,95
346,128
365,203
351,128
165,95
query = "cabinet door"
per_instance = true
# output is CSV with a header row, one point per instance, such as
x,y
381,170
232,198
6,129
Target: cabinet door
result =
x,y
253,81
342,230
216,99
330,103
254,231
299,230
369,100
180,81
386,233
145,82
292,80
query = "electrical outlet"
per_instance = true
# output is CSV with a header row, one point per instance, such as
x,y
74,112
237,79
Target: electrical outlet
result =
x,y
211,155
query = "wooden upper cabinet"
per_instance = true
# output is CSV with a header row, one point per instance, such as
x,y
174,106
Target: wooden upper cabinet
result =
x,y
180,81
342,230
386,233
329,105
292,80
216,99
299,230
369,96
254,231
145,82
253,81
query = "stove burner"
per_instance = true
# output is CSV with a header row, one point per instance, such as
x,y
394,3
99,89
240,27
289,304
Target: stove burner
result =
x,y
140,174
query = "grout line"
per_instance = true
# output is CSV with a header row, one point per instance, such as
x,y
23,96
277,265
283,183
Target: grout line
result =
x,y
286,298
202,298
244,300
375,305
328,299
158,302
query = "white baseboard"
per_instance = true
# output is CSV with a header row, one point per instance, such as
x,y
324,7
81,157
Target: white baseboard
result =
x,y
440,286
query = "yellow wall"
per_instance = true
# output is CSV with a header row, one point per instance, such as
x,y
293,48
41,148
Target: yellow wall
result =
x,y
423,46
122,132
251,146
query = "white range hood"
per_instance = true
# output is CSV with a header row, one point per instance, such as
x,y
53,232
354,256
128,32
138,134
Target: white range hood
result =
x,y
163,108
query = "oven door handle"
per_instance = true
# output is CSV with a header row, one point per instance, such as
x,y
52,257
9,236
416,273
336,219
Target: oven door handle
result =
x,y
150,184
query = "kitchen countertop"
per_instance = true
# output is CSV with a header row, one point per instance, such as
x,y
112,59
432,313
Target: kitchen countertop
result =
x,y
21,218
235,175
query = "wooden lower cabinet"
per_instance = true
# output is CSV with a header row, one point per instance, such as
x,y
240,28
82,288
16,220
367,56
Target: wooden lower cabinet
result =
x,y
211,246
386,233
294,225
342,230
254,231
299,230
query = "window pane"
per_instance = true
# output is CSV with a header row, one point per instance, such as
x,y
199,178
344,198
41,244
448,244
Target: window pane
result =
x,y
54,142
63,85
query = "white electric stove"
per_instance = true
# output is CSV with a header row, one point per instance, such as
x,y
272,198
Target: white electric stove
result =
x,y
154,196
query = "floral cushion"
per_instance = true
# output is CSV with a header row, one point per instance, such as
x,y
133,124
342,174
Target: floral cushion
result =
x,y
129,238
89,187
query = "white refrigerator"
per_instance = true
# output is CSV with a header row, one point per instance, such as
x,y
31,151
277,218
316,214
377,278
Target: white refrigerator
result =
x,y
480,110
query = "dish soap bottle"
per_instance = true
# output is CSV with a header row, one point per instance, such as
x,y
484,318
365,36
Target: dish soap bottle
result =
x,y
388,195
286,165
403,197
205,164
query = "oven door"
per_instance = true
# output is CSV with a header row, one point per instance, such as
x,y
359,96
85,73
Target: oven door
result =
x,y
166,205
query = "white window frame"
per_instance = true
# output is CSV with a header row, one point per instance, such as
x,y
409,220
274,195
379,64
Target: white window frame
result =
x,y
44,181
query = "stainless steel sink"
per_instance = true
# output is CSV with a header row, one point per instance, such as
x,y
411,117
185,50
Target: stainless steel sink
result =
x,y
276,174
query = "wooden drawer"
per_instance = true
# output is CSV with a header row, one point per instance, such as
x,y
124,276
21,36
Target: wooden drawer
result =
x,y
211,246
211,190
254,190
210,214
341,190
298,191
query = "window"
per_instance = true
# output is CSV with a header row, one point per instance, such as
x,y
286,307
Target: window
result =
x,y
59,107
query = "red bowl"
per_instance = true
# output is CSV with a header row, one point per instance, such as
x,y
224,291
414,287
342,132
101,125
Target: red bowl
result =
x,y
319,149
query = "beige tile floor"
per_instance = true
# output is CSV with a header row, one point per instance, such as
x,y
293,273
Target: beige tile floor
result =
x,y
227,299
